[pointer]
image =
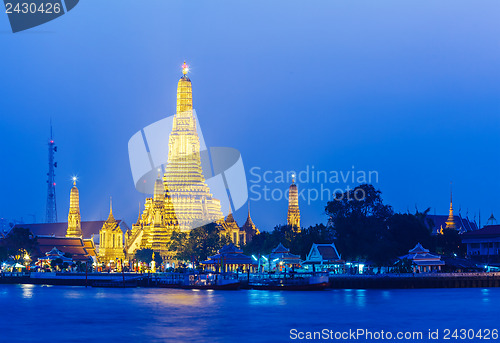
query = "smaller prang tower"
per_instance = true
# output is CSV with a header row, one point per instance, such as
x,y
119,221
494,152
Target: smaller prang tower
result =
x,y
74,219
293,217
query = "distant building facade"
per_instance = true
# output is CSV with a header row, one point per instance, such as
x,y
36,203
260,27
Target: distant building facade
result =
x,y
484,244
75,237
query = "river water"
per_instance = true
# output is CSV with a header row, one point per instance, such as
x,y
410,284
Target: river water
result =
x,y
33,313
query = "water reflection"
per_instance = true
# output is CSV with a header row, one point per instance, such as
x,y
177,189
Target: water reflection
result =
x,y
356,297
27,291
486,295
266,298
170,315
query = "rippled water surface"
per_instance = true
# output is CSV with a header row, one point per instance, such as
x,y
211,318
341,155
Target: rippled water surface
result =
x,y
76,314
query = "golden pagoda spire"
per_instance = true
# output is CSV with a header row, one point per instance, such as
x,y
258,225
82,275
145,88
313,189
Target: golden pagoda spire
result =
x,y
293,217
249,226
159,190
183,180
74,218
110,217
450,222
184,91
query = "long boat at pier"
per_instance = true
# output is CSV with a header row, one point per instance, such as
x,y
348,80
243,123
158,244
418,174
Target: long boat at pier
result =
x,y
292,282
196,281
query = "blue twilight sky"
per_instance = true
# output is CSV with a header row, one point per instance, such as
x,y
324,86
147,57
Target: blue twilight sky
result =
x,y
410,89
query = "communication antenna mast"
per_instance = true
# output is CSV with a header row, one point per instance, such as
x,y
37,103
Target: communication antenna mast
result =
x,y
51,214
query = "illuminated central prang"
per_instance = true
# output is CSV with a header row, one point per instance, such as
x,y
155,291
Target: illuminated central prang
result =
x,y
183,179
293,217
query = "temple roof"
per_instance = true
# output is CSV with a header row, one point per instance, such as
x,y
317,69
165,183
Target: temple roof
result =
x,y
230,218
73,246
229,254
89,228
323,253
90,246
230,249
487,231
280,249
462,224
420,253
328,252
418,249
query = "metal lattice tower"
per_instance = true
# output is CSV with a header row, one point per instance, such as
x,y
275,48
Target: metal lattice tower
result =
x,y
51,214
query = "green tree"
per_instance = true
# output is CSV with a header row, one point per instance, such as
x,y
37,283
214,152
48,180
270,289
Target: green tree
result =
x,y
404,266
202,242
20,240
319,234
359,218
4,254
299,243
57,264
406,230
178,241
450,243
146,255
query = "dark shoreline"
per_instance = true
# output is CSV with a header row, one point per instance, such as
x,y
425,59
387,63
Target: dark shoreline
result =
x,y
388,281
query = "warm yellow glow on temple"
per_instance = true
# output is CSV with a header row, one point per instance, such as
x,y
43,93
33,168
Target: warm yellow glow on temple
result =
x,y
293,217
111,240
450,222
74,218
183,178
182,199
239,235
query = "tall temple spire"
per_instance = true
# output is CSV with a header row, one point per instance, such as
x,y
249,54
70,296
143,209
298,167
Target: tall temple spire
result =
x,y
159,190
74,219
183,180
110,217
293,217
450,222
184,91
249,227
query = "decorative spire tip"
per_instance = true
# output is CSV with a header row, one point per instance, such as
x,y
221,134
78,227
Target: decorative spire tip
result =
x,y
185,68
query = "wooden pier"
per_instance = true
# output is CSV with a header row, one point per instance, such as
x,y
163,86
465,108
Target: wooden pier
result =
x,y
408,281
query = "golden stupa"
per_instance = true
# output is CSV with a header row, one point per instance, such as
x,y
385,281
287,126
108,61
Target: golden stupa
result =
x,y
183,178
74,218
450,222
182,200
293,217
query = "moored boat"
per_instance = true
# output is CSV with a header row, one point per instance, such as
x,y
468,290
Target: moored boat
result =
x,y
311,283
198,281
